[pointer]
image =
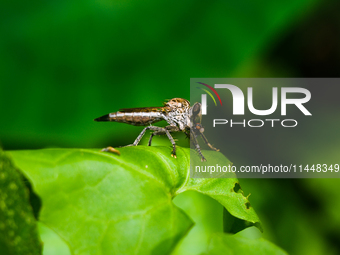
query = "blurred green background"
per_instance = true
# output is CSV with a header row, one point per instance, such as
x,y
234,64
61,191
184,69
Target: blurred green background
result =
x,y
64,63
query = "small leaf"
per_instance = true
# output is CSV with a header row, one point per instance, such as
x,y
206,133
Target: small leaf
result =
x,y
18,228
227,191
100,202
53,244
233,244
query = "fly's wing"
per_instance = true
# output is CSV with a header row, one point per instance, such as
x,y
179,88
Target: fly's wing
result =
x,y
142,109
136,116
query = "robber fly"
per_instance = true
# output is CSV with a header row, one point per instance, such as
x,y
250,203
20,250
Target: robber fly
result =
x,y
176,112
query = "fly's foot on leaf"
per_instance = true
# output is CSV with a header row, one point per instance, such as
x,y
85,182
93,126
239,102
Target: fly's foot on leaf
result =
x,y
212,147
111,149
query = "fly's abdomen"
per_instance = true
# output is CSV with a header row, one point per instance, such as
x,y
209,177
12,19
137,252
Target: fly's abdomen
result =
x,y
133,118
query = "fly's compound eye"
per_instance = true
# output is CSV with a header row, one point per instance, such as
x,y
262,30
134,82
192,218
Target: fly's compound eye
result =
x,y
196,113
196,109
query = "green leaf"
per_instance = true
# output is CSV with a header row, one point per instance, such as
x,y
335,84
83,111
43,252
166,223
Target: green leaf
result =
x,y
18,229
53,244
207,214
233,244
100,202
227,191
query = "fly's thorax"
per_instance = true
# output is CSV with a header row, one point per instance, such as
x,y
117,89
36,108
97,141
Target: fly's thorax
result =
x,y
178,119
178,113
178,103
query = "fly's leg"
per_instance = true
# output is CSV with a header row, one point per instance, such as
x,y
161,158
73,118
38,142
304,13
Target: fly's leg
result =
x,y
197,147
152,135
206,141
167,130
157,129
